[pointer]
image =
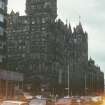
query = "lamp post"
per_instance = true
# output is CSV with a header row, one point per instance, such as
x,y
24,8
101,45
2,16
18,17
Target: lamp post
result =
x,y
85,85
68,81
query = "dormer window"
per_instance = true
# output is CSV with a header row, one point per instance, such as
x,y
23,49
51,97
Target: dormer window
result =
x,y
43,20
33,22
75,40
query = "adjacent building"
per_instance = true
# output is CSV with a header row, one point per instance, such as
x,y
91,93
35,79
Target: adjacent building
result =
x,y
46,50
9,80
3,13
11,84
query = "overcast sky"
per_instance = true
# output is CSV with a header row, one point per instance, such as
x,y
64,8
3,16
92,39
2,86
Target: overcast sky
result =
x,y
92,14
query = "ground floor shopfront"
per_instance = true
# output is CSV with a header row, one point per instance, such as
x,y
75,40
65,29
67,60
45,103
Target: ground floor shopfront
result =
x,y
10,83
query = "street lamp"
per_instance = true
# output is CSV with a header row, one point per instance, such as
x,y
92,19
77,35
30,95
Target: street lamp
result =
x,y
86,85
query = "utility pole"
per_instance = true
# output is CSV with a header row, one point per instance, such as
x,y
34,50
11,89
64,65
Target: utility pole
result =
x,y
85,84
68,81
6,93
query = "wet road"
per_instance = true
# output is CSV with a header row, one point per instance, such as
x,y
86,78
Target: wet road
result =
x,y
103,102
88,103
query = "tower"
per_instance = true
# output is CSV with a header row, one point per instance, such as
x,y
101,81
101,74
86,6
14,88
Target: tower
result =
x,y
40,14
42,8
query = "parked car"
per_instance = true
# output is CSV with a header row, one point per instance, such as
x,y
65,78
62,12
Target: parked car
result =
x,y
63,101
37,102
27,95
10,102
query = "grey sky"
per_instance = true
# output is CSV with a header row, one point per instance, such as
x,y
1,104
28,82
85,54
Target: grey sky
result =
x,y
92,14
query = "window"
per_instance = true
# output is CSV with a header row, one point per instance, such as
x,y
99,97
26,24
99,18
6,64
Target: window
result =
x,y
25,21
1,4
32,7
33,22
38,20
43,20
1,58
20,47
1,18
1,30
75,40
23,55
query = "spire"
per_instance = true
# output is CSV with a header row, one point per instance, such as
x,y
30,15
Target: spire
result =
x,y
79,19
66,22
79,28
70,30
12,12
80,24
91,61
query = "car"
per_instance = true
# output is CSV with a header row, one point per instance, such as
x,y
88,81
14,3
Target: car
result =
x,y
63,101
37,102
28,96
12,102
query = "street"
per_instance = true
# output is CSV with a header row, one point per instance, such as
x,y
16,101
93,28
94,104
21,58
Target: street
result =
x,y
81,101
89,103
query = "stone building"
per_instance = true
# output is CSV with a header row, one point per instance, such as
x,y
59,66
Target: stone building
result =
x,y
8,79
11,83
3,12
46,50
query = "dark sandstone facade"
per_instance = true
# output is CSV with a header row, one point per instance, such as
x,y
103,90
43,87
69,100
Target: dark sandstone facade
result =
x,y
8,80
44,49
3,13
